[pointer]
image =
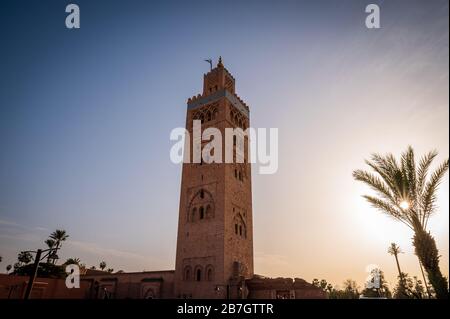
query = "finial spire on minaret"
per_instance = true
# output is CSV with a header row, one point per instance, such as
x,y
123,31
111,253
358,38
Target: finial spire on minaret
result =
x,y
220,64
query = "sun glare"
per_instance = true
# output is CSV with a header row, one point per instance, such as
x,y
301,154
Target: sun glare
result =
x,y
404,204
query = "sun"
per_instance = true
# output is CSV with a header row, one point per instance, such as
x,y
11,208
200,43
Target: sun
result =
x,y
404,205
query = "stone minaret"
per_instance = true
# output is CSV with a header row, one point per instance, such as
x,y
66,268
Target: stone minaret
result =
x,y
215,229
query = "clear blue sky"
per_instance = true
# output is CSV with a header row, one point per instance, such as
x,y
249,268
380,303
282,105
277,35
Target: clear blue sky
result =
x,y
85,117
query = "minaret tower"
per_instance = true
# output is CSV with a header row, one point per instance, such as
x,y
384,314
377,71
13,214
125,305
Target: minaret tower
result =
x,y
215,230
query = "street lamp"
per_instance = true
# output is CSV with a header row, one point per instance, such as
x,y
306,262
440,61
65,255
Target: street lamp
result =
x,y
51,254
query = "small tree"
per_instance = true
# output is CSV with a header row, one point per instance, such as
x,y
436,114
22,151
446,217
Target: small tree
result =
x,y
409,288
24,258
102,265
71,261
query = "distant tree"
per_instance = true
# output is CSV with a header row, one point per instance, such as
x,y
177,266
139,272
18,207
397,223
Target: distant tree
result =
x,y
92,268
16,266
394,250
24,267
407,193
1,258
410,288
351,289
50,244
110,270
58,236
382,290
45,270
102,265
322,284
8,268
71,261
329,288
24,258
316,283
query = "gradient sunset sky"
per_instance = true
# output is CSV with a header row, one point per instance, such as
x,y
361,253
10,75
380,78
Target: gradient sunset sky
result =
x,y
85,118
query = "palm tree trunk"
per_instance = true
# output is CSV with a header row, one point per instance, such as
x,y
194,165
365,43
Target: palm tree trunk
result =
x,y
400,274
425,280
398,267
426,250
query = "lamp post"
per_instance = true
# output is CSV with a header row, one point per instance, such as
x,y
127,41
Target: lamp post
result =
x,y
51,253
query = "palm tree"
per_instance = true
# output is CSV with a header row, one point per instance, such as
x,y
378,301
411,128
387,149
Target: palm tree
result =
x,y
50,244
58,236
102,265
394,250
408,194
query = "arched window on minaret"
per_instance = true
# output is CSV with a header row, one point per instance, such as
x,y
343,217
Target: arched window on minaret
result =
x,y
201,206
209,212
187,273
209,273
240,228
198,273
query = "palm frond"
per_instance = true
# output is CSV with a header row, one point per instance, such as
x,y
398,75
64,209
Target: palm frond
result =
x,y
376,184
394,249
422,170
390,167
409,174
397,181
388,209
429,195
385,175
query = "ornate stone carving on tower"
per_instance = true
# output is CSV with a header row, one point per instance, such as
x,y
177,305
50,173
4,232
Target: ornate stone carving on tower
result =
x,y
215,230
